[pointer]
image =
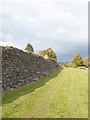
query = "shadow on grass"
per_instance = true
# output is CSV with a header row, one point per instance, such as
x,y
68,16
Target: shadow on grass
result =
x,y
13,95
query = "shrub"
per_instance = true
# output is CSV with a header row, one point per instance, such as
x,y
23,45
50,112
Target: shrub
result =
x,y
72,65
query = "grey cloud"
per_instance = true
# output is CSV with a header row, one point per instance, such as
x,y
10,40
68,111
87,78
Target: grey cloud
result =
x,y
61,27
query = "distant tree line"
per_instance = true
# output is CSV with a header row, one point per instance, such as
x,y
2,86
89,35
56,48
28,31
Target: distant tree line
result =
x,y
76,61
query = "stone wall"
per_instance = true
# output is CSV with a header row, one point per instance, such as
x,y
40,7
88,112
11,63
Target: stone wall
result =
x,y
20,68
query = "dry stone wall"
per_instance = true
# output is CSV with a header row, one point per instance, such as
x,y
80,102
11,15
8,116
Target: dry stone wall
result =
x,y
20,68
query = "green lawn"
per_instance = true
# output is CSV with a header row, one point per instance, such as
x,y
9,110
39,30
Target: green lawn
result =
x,y
63,94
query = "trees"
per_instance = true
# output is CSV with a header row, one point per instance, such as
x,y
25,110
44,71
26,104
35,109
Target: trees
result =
x,y
29,48
77,60
49,52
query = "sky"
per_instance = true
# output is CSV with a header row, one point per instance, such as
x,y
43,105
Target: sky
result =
x,y
58,24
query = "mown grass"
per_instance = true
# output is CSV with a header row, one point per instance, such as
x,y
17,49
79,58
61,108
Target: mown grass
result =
x,y
63,94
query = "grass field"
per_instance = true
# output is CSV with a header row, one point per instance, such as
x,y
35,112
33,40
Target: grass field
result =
x,y
63,94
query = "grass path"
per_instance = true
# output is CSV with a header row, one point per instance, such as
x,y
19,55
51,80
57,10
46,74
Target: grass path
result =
x,y
63,94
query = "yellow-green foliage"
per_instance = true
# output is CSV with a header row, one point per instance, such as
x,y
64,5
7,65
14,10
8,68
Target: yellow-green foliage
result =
x,y
29,48
72,65
48,52
77,60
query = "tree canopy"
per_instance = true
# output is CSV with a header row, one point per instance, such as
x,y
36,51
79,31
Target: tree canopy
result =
x,y
51,54
77,60
29,48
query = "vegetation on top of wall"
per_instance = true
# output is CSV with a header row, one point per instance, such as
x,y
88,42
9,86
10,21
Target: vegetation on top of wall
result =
x,y
29,48
49,52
